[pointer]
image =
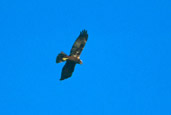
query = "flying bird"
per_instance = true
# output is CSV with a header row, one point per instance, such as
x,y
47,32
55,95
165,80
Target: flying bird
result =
x,y
74,57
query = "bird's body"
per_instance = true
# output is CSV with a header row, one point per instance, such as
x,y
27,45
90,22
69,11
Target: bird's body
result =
x,y
74,57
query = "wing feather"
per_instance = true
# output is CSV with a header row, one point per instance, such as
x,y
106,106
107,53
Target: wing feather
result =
x,y
68,69
79,44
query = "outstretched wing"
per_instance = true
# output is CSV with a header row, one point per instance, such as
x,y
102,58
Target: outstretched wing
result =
x,y
67,69
79,44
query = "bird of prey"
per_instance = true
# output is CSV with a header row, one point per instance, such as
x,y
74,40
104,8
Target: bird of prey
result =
x,y
74,57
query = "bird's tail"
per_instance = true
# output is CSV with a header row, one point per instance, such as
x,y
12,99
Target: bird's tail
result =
x,y
61,57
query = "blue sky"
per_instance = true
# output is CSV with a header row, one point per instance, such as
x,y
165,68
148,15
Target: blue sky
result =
x,y
126,62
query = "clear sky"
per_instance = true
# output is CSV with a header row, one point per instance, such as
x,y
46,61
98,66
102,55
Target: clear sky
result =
x,y
126,62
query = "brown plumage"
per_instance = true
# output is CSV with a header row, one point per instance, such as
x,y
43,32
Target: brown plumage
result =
x,y
74,57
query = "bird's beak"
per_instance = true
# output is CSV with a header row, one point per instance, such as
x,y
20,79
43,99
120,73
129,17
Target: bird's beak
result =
x,y
81,62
